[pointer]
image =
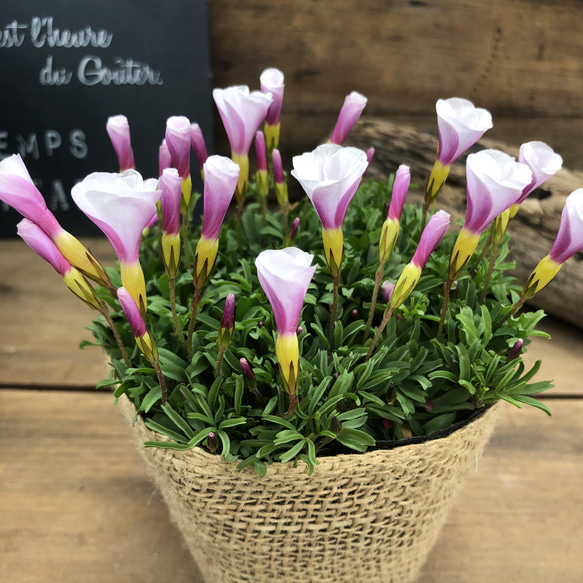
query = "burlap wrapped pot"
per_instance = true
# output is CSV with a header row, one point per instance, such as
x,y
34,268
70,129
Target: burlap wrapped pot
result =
x,y
366,518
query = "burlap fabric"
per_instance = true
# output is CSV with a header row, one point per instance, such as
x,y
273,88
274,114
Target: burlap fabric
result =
x,y
367,518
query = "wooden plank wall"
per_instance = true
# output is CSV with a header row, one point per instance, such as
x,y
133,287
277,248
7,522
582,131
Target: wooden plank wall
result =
x,y
523,60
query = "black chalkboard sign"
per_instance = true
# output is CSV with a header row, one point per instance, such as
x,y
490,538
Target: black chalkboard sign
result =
x,y
67,66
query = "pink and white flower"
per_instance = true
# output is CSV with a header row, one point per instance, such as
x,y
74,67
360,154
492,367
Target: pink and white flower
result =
x,y
178,141
121,205
18,191
431,237
170,186
43,246
495,181
242,112
460,125
118,129
351,111
272,82
330,176
221,175
569,239
285,275
137,323
542,161
164,158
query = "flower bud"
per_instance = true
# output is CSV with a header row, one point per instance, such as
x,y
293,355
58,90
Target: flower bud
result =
x,y
516,349
227,326
212,442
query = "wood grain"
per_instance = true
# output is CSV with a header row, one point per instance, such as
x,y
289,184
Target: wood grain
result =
x,y
42,323
522,60
77,506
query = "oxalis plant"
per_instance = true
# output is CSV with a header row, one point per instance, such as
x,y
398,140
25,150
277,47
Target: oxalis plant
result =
x,y
325,325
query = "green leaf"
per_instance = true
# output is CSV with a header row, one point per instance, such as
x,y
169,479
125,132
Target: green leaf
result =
x,y
355,439
292,452
178,420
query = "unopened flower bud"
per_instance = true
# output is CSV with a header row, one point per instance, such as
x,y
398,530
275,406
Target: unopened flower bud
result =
x,y
429,405
212,442
354,314
294,229
387,424
299,330
227,325
516,349
278,178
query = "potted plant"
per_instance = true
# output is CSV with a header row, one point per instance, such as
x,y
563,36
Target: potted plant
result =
x,y
310,382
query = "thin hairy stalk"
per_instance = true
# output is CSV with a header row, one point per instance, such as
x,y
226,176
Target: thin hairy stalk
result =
x,y
491,264
293,403
386,317
482,255
172,291
105,312
222,351
285,212
334,308
193,310
424,212
375,293
161,380
446,291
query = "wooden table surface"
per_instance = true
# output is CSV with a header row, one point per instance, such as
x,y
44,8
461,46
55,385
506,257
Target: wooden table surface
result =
x,y
77,506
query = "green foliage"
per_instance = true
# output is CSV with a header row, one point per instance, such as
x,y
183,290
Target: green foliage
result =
x,y
412,385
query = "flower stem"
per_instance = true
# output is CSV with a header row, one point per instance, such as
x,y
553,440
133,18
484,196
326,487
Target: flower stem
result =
x,y
446,291
386,317
222,351
193,310
491,264
185,240
105,312
482,254
161,380
373,303
334,308
239,218
293,403
172,290
424,212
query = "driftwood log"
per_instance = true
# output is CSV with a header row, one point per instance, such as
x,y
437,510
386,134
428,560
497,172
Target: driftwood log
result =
x,y
534,228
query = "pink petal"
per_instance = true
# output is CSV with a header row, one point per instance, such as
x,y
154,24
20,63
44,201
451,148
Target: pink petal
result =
x,y
42,245
178,142
569,239
118,129
272,81
220,179
495,182
351,111
132,312
285,275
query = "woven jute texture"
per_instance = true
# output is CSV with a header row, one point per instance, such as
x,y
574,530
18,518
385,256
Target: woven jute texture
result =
x,y
366,518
